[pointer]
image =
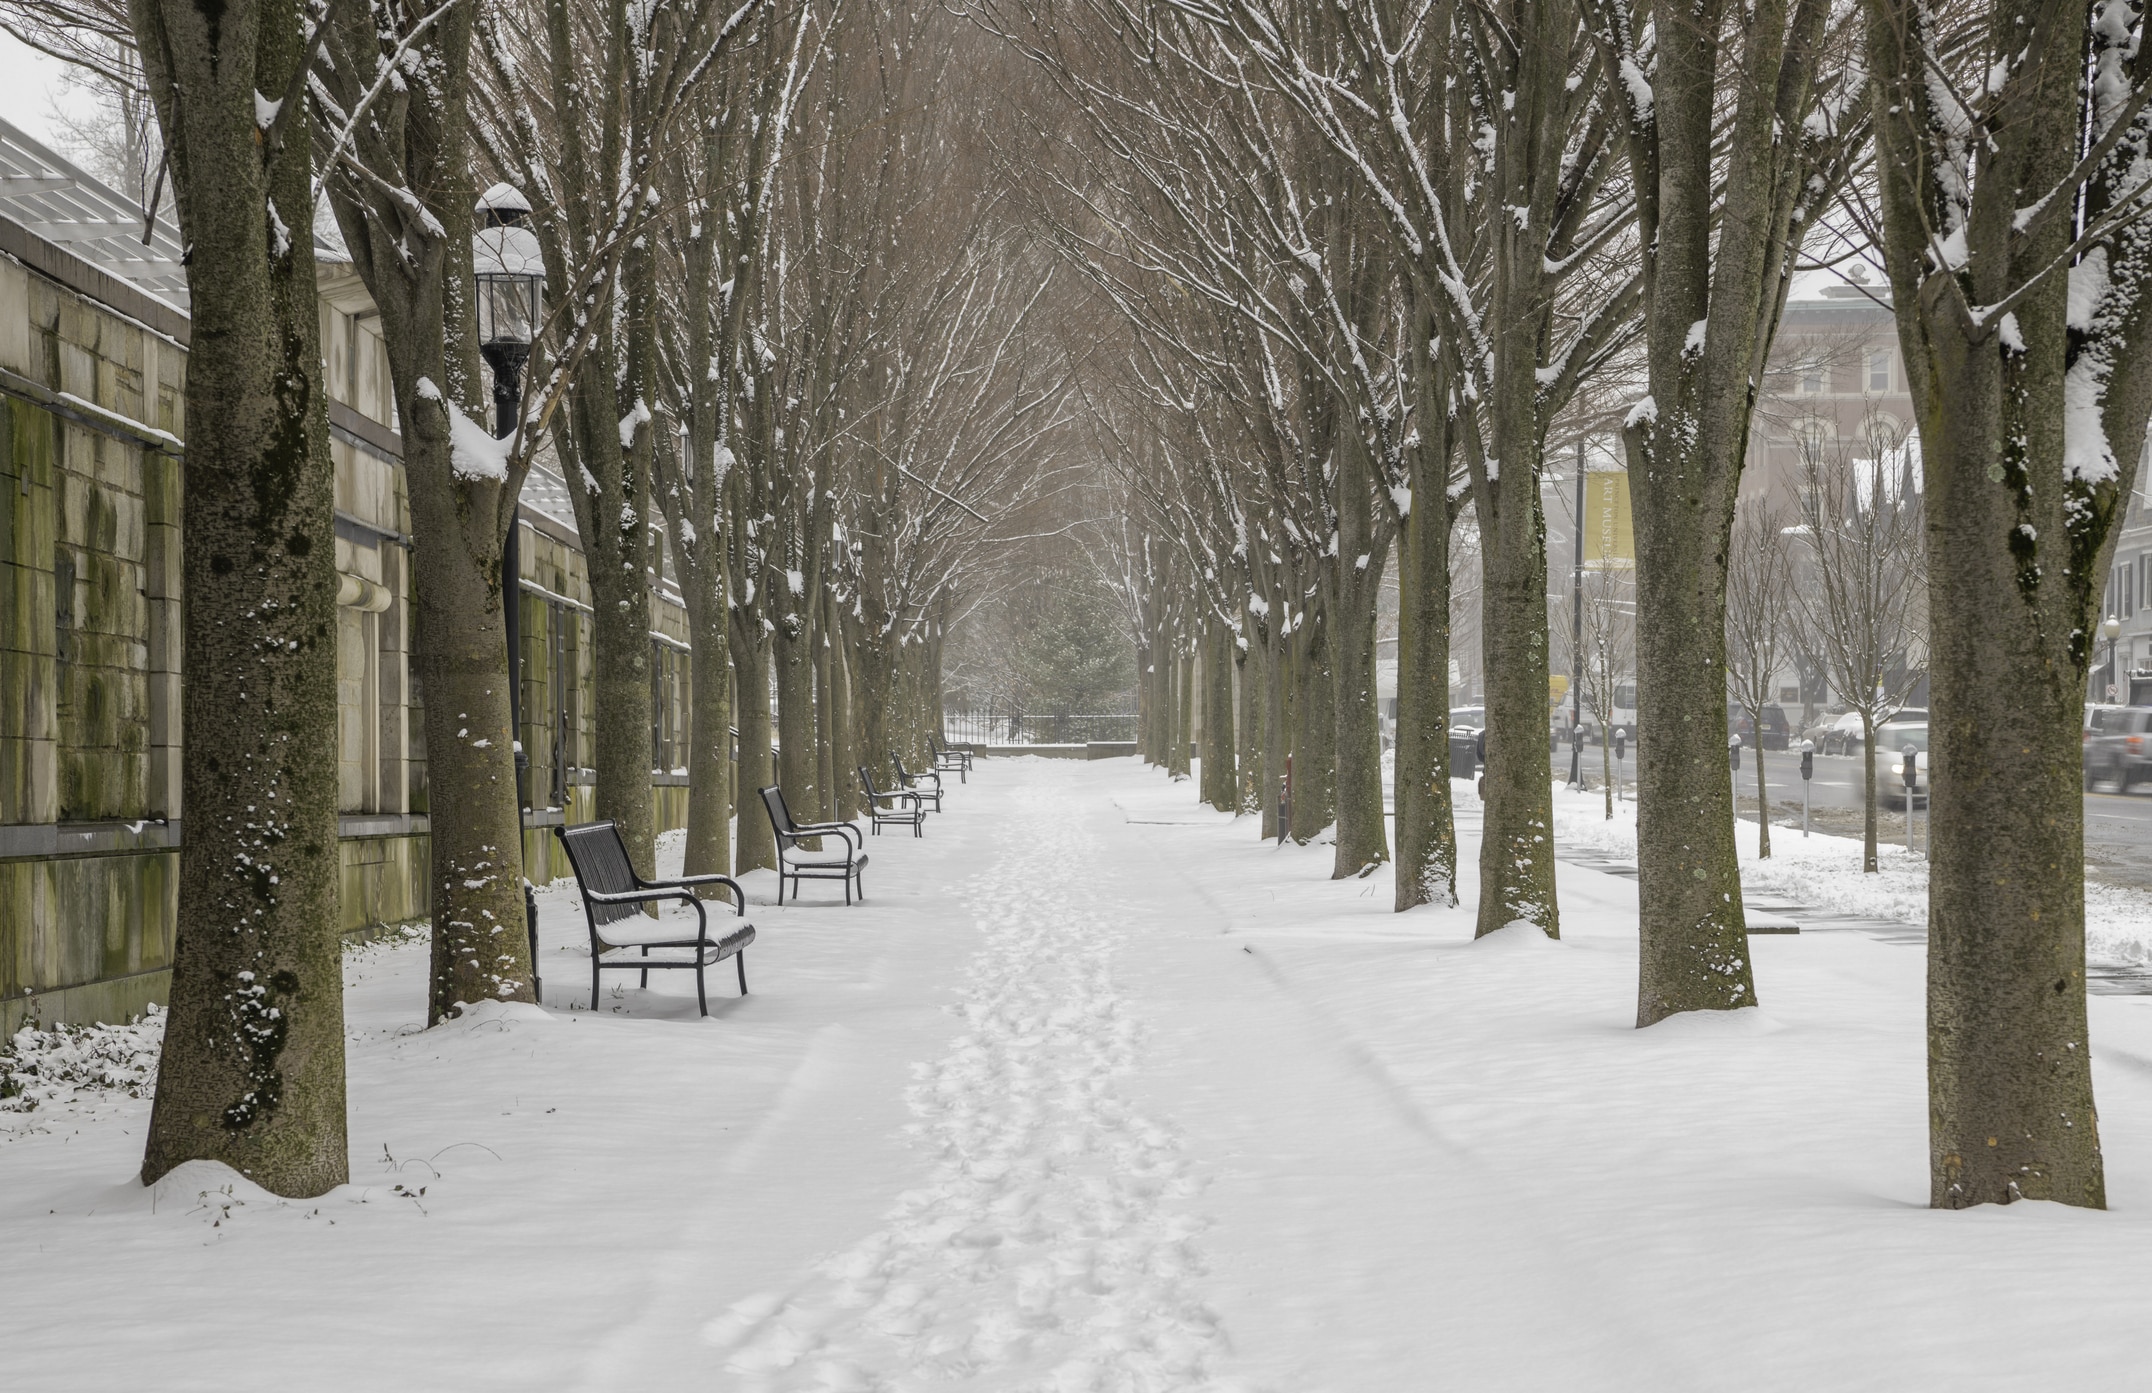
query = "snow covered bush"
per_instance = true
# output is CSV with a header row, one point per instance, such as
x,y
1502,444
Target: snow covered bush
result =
x,y
38,1067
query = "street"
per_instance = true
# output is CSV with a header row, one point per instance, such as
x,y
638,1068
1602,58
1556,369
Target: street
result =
x,y
2118,826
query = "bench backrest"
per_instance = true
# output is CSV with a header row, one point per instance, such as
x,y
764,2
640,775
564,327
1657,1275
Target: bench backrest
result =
x,y
866,781
902,773
773,799
600,861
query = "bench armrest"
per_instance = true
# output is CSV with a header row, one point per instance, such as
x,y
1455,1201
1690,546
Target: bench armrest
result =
x,y
802,831
823,829
634,896
739,896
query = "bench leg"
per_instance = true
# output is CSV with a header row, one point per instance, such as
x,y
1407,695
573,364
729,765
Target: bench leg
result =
x,y
646,971
702,994
740,961
593,976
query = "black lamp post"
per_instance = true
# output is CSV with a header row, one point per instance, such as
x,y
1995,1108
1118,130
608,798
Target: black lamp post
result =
x,y
510,272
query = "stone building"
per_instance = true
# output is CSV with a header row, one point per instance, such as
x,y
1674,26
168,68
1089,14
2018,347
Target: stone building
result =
x,y
93,345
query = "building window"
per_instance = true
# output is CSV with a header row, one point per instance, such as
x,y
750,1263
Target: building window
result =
x,y
668,709
1879,371
1812,381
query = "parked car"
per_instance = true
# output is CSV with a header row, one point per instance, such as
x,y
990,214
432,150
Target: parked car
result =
x,y
1842,736
1819,729
1466,722
1892,739
1776,734
2118,746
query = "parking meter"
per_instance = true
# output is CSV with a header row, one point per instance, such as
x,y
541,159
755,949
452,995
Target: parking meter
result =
x,y
1621,744
1733,752
1808,771
1909,775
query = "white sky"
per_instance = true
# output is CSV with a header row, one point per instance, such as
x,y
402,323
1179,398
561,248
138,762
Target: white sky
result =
x,y
28,83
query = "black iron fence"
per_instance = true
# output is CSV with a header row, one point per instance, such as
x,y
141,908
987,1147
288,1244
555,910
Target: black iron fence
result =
x,y
993,727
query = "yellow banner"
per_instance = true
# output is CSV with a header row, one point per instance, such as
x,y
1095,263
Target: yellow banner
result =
x,y
1609,545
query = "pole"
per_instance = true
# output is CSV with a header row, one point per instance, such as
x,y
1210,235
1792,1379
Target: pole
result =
x,y
507,361
1808,770
1576,634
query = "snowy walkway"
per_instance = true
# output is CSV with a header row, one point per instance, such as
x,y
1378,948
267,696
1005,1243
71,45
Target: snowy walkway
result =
x,y
1098,1093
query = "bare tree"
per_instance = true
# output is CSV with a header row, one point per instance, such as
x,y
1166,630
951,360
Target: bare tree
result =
x,y
1607,658
1861,604
1759,583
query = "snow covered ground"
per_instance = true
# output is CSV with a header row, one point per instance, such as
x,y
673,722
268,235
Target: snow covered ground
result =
x,y
1097,1092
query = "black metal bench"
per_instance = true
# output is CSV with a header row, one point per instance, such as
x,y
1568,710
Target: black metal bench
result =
x,y
948,761
897,815
814,865
613,900
926,785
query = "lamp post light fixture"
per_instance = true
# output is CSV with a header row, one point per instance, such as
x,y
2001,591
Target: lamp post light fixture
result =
x,y
510,272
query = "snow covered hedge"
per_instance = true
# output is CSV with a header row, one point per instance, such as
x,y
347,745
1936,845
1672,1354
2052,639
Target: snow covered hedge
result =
x,y
71,1062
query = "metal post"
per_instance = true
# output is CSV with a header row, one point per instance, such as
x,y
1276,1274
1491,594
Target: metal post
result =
x,y
507,362
1576,634
1733,759
1808,771
1909,775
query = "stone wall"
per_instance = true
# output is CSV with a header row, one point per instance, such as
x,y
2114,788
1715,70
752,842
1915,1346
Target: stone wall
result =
x,y
91,472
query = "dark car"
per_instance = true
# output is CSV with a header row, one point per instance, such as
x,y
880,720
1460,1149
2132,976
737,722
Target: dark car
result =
x,y
1775,730
2118,746
1466,723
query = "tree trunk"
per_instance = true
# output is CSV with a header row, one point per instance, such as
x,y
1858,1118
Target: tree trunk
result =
x,y
1694,952
1356,572
1248,746
1184,709
1763,796
1426,827
1314,731
709,744
1220,775
792,652
2011,1110
825,716
252,1072
1517,845
843,735
1277,731
459,524
1869,860
751,709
